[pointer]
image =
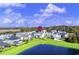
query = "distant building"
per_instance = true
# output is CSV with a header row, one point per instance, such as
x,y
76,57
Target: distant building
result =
x,y
40,28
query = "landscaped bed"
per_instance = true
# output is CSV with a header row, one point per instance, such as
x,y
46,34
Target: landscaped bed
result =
x,y
34,42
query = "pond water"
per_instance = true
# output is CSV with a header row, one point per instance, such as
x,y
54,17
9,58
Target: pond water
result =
x,y
49,50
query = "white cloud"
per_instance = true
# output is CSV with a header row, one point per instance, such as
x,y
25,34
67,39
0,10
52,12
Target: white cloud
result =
x,y
68,22
38,21
11,14
51,8
11,17
12,5
21,21
47,14
7,11
77,21
41,10
7,20
16,15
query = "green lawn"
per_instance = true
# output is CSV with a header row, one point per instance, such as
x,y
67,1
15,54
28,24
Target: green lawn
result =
x,y
34,42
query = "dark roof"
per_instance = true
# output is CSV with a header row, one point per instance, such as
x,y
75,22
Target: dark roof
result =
x,y
2,43
13,37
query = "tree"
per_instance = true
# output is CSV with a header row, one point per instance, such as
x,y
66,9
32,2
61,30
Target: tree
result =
x,y
1,48
73,38
9,45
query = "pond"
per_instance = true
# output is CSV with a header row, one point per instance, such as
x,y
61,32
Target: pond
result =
x,y
45,49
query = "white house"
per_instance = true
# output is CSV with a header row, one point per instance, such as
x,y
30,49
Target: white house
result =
x,y
57,37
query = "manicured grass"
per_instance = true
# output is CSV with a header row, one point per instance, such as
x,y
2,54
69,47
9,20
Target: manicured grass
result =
x,y
34,42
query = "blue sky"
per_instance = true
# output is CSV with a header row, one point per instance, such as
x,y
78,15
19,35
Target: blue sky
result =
x,y
38,14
